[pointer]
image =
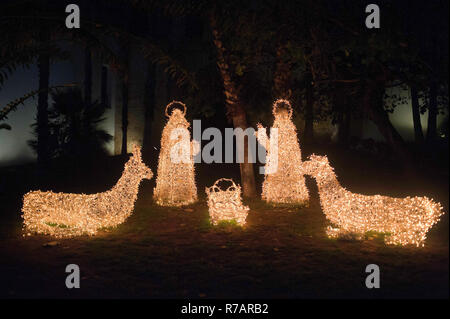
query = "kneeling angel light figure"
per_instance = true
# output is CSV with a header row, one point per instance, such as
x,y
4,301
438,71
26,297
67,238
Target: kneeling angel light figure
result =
x,y
284,182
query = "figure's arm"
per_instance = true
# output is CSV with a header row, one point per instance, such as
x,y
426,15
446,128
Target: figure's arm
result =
x,y
261,136
195,147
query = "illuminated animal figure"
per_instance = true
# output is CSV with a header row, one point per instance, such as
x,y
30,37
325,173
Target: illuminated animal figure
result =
x,y
67,215
405,220
175,180
283,179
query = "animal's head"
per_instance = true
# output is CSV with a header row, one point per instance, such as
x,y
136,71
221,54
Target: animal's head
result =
x,y
138,166
316,165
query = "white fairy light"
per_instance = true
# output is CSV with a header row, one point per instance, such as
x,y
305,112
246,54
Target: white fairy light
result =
x,y
68,215
284,183
175,181
405,220
226,204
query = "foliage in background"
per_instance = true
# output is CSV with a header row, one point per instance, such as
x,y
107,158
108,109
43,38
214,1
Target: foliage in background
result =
x,y
74,126
12,106
335,64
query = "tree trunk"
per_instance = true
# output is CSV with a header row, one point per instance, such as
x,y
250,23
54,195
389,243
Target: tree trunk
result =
x,y
344,126
88,59
150,100
124,117
87,94
373,105
246,168
235,110
42,109
309,113
125,82
87,76
418,133
283,75
104,87
432,114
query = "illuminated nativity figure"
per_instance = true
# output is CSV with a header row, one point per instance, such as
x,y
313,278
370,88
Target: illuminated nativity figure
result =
x,y
175,181
405,221
226,204
284,182
68,215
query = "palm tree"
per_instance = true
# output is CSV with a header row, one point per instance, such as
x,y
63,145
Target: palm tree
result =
x,y
42,108
73,126
22,43
125,83
236,112
235,108
418,133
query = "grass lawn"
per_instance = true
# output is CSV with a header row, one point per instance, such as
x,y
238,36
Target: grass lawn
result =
x,y
175,252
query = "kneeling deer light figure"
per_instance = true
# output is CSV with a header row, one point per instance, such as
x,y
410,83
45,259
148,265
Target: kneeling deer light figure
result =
x,y
68,215
407,220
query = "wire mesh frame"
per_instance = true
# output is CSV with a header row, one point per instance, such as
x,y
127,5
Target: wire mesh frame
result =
x,y
226,204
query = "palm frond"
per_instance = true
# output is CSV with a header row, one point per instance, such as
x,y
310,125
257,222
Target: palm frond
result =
x,y
11,106
5,126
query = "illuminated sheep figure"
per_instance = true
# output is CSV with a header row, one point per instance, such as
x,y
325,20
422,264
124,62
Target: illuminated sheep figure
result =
x,y
407,220
175,181
226,204
68,215
283,179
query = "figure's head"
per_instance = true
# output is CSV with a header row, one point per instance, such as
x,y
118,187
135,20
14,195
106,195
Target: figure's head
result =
x,y
316,165
176,112
282,109
176,108
138,166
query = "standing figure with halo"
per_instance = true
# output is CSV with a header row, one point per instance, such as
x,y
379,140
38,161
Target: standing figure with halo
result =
x,y
175,181
284,182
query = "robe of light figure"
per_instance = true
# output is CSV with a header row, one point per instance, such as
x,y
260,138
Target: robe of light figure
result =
x,y
175,181
284,182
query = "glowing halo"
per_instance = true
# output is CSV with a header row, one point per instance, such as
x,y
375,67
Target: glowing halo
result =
x,y
174,103
282,101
